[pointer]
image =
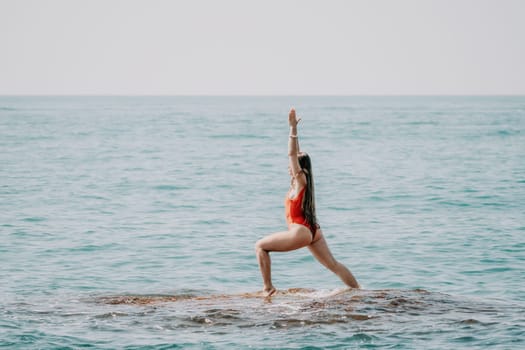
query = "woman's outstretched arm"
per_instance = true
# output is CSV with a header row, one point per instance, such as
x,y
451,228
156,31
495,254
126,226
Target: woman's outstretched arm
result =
x,y
293,145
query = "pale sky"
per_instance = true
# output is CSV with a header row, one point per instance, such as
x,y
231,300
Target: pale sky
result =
x,y
270,47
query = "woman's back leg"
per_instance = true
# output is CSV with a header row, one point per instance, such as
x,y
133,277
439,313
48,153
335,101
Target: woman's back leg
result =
x,y
319,249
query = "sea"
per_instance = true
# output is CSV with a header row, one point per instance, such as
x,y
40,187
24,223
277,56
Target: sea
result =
x,y
129,222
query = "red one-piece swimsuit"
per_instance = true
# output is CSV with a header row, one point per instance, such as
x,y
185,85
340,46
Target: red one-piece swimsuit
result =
x,y
294,211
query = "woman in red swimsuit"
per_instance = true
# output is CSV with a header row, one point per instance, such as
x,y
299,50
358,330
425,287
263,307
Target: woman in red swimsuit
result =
x,y
303,229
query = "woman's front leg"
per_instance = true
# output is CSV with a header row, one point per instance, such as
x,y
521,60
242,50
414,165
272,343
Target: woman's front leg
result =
x,y
296,238
265,265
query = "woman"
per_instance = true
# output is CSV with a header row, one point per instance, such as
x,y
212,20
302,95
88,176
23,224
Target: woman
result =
x,y
303,229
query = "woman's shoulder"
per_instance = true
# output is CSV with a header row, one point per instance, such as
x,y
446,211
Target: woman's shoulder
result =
x,y
296,191
300,177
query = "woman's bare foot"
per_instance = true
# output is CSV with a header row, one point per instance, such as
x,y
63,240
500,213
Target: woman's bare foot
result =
x,y
268,292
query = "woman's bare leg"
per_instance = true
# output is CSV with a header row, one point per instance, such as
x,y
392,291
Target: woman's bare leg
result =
x,y
265,265
321,252
296,238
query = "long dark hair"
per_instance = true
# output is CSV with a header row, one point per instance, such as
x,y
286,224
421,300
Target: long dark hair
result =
x,y
308,204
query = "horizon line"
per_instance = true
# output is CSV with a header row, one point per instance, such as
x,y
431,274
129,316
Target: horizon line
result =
x,y
263,95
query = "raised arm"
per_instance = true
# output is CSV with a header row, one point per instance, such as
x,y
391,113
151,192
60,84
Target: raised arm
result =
x,y
293,148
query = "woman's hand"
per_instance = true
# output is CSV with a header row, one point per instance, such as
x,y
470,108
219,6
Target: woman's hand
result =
x,y
292,118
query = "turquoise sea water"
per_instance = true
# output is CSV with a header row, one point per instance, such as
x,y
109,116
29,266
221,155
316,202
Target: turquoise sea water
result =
x,y
129,222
